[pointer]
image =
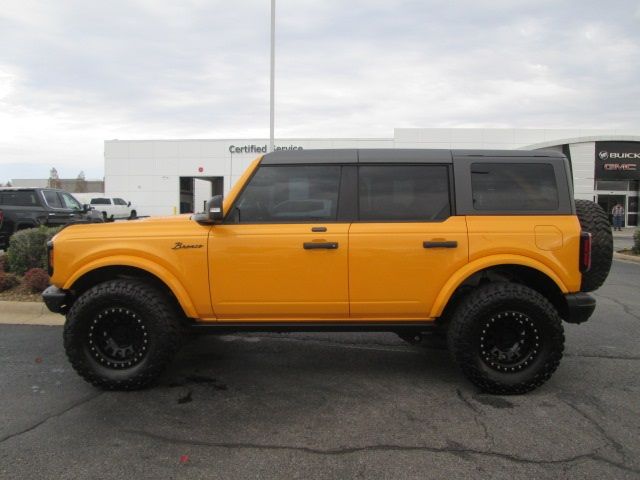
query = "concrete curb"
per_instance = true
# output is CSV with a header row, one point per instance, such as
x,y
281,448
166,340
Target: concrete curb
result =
x,y
28,313
628,258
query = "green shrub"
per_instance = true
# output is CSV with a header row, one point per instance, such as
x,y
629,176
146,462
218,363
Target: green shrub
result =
x,y
36,280
3,263
636,242
7,281
28,249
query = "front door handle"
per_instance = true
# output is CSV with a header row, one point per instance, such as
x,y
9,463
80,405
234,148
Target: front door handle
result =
x,y
318,245
445,244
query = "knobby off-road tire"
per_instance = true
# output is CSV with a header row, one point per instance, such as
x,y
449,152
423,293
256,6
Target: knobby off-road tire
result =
x,y
506,338
593,219
121,334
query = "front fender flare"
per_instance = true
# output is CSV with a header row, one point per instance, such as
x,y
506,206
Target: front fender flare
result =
x,y
150,267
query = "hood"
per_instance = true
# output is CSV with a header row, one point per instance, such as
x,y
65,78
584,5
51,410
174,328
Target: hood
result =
x,y
173,226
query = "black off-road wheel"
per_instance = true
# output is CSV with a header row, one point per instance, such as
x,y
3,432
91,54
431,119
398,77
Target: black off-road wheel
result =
x,y
593,219
121,334
506,338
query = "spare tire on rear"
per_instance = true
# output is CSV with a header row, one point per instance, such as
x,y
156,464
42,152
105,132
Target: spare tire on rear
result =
x,y
594,220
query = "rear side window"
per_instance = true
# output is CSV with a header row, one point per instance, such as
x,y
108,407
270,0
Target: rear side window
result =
x,y
51,196
514,187
100,201
404,192
285,194
18,198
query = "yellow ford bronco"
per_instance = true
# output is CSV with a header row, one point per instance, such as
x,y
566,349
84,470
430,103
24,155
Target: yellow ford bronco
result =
x,y
485,249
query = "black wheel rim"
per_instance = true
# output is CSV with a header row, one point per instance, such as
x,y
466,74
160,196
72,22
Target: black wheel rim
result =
x,y
118,338
509,341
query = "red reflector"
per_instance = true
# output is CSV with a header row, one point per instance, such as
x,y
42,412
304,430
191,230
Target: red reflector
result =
x,y
585,252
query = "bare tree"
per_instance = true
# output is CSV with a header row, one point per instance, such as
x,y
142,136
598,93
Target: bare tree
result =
x,y
81,183
54,179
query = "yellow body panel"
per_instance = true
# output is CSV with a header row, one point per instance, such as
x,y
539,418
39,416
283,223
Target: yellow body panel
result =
x,y
147,244
391,274
262,272
550,241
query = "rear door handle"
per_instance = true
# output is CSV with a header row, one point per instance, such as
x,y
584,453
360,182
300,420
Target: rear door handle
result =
x,y
318,245
445,244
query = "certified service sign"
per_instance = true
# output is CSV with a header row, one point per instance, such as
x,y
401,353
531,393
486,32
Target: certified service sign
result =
x,y
617,160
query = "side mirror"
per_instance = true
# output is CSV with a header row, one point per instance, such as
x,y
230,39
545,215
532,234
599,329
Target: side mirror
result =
x,y
129,204
213,213
86,208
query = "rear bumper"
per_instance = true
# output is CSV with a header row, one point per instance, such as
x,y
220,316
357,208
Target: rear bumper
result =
x,y
56,299
580,307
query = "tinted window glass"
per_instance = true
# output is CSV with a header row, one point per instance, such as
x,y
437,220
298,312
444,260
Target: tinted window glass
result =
x,y
288,194
70,202
100,201
119,201
404,192
51,196
514,187
26,198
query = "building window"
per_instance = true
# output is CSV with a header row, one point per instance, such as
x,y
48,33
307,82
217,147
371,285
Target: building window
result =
x,y
612,185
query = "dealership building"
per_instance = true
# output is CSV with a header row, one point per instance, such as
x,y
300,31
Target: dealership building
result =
x,y
167,177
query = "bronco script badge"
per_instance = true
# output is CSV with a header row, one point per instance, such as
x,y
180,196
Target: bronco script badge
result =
x,y
180,246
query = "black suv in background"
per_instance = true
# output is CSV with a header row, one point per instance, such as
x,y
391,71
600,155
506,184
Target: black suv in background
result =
x,y
22,208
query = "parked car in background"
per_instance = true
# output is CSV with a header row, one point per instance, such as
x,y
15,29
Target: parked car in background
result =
x,y
113,208
22,208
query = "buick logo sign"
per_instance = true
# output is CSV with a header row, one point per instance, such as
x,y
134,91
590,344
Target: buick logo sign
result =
x,y
603,155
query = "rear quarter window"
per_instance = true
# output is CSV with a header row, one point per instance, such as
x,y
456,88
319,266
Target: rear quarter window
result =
x,y
514,187
19,198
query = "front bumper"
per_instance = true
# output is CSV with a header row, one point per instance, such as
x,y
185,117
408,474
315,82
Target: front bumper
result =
x,y
56,299
580,307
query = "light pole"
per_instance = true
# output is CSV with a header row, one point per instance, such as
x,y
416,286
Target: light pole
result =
x,y
272,79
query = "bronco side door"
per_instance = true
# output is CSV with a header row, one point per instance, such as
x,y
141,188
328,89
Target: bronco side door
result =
x,y
407,242
282,251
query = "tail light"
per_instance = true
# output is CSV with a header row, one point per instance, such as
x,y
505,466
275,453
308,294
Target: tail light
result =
x,y
50,257
585,252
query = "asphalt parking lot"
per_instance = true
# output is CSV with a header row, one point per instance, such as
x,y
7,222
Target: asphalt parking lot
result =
x,y
328,406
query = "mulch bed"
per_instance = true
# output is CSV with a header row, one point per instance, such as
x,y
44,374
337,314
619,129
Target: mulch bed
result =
x,y
20,293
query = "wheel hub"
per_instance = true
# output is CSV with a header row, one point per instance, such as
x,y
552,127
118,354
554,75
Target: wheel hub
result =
x,y
118,338
509,341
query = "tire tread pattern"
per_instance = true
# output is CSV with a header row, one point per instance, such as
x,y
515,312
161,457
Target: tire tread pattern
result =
x,y
142,295
461,339
594,219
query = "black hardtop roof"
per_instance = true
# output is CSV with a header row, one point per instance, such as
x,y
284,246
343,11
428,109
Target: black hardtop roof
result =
x,y
392,155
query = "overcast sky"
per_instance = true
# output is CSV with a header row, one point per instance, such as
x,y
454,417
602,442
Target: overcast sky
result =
x,y
74,73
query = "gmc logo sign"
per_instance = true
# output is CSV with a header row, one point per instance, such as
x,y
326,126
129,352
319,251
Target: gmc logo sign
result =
x,y
626,167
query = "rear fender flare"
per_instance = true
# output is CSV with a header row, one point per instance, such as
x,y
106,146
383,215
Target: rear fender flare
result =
x,y
469,269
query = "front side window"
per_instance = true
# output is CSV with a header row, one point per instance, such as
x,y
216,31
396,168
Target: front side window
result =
x,y
51,196
119,201
288,194
403,193
70,202
514,187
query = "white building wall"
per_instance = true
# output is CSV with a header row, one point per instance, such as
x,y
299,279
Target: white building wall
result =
x,y
583,166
